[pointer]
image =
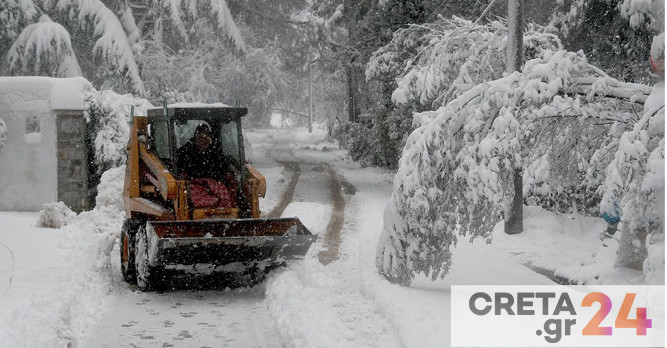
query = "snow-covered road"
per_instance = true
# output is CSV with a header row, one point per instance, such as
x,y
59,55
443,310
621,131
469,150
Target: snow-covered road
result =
x,y
235,318
68,291
231,318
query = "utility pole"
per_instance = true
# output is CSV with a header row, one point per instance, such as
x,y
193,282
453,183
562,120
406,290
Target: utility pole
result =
x,y
514,220
310,96
351,116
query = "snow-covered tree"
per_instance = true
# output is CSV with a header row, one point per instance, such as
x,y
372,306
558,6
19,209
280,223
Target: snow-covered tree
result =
x,y
615,34
635,185
436,62
427,66
211,73
14,16
108,114
43,48
107,39
453,176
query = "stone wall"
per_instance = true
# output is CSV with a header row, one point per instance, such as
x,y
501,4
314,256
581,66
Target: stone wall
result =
x,y
72,160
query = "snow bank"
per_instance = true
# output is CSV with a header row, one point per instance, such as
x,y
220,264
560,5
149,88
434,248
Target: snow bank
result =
x,y
110,189
299,299
58,316
55,215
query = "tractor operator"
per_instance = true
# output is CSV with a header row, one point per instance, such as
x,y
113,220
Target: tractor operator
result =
x,y
200,158
211,182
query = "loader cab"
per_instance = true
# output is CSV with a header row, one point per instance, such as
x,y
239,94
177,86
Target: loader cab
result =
x,y
171,131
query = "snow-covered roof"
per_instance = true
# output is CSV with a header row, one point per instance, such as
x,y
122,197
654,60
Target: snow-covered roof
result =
x,y
64,93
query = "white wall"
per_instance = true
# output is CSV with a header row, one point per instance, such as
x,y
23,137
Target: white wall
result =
x,y
28,164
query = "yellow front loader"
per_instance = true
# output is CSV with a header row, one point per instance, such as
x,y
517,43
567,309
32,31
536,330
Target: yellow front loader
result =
x,y
177,227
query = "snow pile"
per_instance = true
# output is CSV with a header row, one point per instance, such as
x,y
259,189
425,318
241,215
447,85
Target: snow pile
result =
x,y
110,189
109,113
59,317
55,215
296,298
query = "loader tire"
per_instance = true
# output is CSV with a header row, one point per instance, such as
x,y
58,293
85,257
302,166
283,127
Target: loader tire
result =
x,y
127,263
148,277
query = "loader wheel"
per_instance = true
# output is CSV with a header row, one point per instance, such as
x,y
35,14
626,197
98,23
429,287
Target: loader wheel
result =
x,y
127,266
147,276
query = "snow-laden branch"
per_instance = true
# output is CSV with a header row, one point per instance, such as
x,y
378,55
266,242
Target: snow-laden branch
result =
x,y
178,12
454,174
436,62
113,44
44,48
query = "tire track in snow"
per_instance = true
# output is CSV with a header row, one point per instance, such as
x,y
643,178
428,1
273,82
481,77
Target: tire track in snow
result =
x,y
288,194
332,235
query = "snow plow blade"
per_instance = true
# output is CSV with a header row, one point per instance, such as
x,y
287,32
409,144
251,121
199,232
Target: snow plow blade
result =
x,y
208,246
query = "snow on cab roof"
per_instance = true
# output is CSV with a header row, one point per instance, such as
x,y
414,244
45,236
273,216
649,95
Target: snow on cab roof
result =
x,y
198,105
64,93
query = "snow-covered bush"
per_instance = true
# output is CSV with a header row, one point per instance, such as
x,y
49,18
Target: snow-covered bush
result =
x,y
3,133
455,174
55,215
108,116
635,183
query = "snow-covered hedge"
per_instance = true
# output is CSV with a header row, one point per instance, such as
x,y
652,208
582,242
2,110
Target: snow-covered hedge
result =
x,y
456,170
108,115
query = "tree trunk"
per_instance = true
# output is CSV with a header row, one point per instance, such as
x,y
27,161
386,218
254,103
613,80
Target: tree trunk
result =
x,y
514,35
310,96
350,95
514,219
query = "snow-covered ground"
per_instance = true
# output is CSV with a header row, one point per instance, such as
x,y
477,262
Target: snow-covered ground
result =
x,y
56,284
